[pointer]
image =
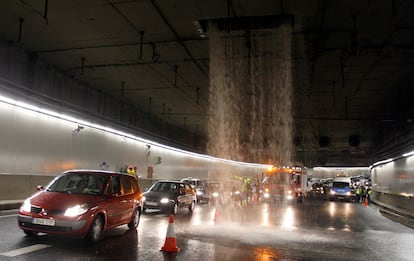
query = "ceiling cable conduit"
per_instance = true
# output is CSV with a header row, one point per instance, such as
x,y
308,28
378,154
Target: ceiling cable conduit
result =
x,y
380,55
179,39
156,57
45,10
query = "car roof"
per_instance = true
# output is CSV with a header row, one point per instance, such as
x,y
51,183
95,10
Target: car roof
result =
x,y
170,181
94,171
195,179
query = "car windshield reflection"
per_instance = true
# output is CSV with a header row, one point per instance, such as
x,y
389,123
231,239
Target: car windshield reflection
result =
x,y
166,187
78,183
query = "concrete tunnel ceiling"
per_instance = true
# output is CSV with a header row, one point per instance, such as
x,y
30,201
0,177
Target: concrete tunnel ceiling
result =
x,y
352,65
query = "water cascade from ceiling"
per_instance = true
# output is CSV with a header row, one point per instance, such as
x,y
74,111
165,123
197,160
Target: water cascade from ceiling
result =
x,y
250,90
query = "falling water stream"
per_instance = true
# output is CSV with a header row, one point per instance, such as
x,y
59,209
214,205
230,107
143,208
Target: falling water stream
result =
x,y
251,94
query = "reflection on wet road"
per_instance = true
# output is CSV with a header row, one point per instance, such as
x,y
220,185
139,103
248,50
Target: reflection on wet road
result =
x,y
315,230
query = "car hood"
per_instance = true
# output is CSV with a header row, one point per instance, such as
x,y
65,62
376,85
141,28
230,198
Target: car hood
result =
x,y
59,200
159,194
341,190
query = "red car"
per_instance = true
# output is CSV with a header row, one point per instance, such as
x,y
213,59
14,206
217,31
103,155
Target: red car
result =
x,y
82,203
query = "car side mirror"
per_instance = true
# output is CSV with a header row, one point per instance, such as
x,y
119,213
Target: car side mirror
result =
x,y
39,188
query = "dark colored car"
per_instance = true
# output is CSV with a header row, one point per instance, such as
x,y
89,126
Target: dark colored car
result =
x,y
197,185
318,191
211,191
169,197
82,203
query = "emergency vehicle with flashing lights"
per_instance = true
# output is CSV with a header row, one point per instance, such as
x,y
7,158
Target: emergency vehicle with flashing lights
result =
x,y
284,184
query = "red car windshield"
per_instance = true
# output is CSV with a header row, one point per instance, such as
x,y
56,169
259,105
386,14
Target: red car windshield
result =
x,y
79,183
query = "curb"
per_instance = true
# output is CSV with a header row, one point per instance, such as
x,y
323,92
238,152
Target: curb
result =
x,y
10,204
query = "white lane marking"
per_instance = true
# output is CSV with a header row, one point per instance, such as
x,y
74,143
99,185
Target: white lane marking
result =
x,y
4,216
24,250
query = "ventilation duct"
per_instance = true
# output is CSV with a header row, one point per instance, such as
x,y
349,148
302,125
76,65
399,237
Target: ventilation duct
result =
x,y
354,140
324,141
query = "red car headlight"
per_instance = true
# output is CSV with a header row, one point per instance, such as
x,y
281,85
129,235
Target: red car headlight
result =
x,y
77,210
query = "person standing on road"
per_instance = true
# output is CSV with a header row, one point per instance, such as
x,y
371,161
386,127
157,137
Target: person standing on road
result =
x,y
369,193
363,193
358,193
244,190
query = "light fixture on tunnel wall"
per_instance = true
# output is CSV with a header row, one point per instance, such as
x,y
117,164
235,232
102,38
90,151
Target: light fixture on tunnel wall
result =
x,y
77,130
354,140
324,141
199,29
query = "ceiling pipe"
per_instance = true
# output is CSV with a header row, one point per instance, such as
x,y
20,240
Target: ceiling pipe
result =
x,y
341,58
45,11
198,95
175,75
82,64
141,46
110,46
21,20
354,44
155,55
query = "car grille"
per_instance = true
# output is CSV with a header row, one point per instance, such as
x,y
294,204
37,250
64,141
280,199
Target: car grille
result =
x,y
38,210
35,209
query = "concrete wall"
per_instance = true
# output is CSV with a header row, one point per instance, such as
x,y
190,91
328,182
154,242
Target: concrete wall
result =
x,y
36,146
393,184
13,187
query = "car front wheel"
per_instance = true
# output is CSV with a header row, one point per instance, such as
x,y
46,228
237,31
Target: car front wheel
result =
x,y
96,230
174,209
192,206
135,219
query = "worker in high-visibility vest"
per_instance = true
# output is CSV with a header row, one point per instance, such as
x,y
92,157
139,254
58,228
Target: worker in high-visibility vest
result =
x,y
244,190
369,193
358,192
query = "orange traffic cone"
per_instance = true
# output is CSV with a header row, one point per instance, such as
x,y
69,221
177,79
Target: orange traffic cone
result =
x,y
366,202
217,215
255,198
170,244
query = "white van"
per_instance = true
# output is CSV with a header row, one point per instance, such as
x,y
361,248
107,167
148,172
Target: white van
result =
x,y
341,189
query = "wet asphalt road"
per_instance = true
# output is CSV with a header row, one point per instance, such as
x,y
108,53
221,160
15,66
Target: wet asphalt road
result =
x,y
314,230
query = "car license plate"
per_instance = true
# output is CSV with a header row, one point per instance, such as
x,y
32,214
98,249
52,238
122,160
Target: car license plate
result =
x,y
43,221
151,203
